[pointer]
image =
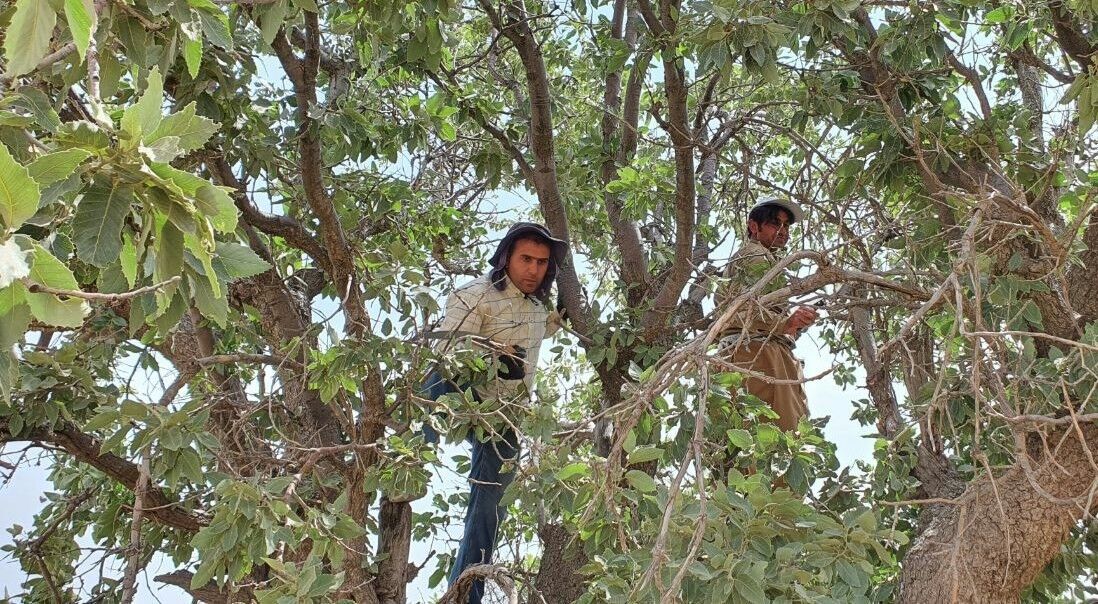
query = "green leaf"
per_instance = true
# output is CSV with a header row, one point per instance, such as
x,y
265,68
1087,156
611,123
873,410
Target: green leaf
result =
x,y
192,54
201,247
447,132
209,304
643,454
768,435
573,470
749,590
270,21
81,17
10,297
128,259
218,206
48,308
240,262
193,130
39,105
102,420
168,262
27,38
998,15
57,166
143,117
640,481
205,572
14,315
19,194
740,438
13,325
215,26
97,226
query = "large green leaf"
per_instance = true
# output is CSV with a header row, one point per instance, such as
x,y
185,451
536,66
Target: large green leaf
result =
x,y
143,117
192,50
27,39
168,262
48,308
97,226
209,304
19,194
57,166
80,15
15,318
271,19
193,130
215,26
10,297
218,206
240,262
128,260
201,247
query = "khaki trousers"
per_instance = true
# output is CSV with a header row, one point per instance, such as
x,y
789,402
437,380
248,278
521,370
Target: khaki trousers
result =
x,y
778,362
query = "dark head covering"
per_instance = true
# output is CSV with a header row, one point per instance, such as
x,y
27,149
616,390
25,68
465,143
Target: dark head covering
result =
x,y
557,249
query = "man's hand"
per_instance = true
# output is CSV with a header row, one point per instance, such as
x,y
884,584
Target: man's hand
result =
x,y
512,363
800,320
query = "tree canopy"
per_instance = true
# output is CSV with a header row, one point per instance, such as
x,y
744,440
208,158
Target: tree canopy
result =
x,y
227,224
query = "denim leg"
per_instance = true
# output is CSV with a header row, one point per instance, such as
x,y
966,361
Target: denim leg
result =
x,y
434,387
485,514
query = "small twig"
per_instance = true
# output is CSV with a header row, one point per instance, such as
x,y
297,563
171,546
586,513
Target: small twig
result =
x,y
459,591
927,501
47,60
173,390
265,359
133,558
38,288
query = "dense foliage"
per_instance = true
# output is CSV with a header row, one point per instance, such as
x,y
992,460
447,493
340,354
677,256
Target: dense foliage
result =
x,y
227,225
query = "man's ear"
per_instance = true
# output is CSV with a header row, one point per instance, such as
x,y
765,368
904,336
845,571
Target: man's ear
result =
x,y
752,229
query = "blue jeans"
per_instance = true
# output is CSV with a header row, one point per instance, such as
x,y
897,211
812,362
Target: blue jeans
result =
x,y
484,515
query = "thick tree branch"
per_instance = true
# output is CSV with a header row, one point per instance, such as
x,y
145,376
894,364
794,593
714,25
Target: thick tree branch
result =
x,y
87,449
666,298
292,231
634,269
1005,528
209,593
544,174
1069,36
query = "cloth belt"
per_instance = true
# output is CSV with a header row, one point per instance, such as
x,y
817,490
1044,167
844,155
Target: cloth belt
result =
x,y
736,335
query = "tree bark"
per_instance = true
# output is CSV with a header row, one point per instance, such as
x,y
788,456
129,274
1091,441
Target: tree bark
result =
x,y
1003,531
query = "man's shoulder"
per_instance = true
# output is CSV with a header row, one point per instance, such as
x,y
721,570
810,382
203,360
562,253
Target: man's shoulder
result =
x,y
480,284
751,252
472,293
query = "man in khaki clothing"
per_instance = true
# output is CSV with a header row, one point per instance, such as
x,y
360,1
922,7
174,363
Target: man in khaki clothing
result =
x,y
761,339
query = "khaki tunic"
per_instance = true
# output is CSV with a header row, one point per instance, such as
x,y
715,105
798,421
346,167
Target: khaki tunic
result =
x,y
508,317
754,339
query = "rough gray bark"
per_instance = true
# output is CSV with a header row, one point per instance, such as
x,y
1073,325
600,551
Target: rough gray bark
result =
x,y
1004,530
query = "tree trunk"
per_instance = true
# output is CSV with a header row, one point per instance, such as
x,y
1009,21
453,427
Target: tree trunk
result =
x,y
1003,531
558,580
395,520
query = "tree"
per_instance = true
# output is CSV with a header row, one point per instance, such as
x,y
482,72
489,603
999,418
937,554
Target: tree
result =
x,y
254,200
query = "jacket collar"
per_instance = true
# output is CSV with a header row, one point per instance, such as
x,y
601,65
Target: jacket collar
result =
x,y
512,290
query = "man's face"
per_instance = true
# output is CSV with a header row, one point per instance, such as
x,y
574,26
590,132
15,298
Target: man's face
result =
x,y
528,264
772,234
